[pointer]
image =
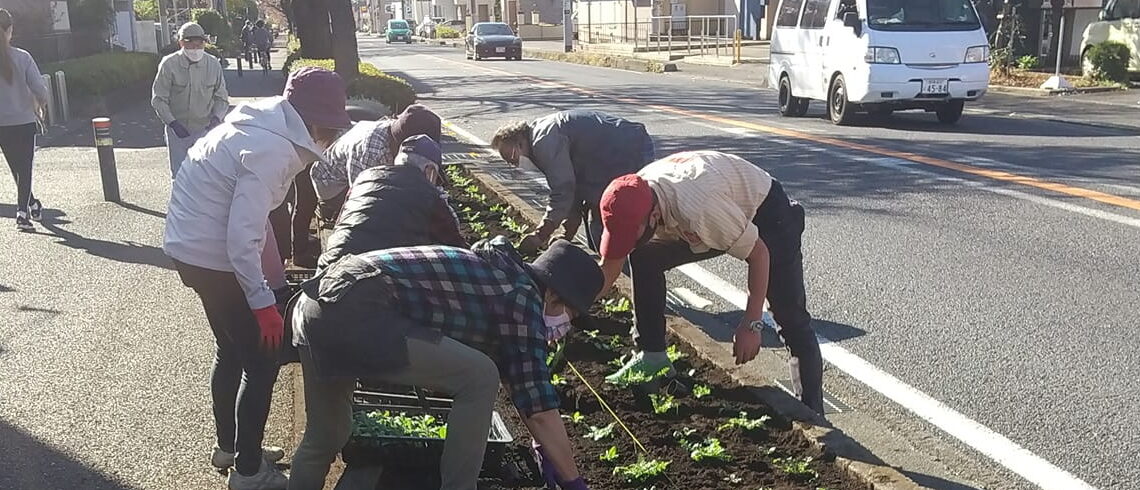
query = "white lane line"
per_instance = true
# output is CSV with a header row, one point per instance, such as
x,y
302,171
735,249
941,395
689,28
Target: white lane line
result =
x,y
465,134
691,298
979,437
996,446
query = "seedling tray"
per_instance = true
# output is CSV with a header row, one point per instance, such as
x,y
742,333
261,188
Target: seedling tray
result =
x,y
421,453
364,398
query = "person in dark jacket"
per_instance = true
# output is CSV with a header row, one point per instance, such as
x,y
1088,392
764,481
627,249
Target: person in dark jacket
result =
x,y
448,319
398,206
580,152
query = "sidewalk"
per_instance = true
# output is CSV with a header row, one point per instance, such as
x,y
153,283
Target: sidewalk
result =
x,y
105,355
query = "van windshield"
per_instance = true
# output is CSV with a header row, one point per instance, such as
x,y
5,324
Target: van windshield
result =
x,y
922,15
398,25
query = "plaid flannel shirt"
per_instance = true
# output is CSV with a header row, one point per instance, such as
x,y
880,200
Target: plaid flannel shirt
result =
x,y
485,300
366,145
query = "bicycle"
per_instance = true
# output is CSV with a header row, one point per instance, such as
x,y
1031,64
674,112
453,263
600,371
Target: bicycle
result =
x,y
263,54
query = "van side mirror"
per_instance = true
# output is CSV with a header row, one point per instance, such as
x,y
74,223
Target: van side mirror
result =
x,y
851,19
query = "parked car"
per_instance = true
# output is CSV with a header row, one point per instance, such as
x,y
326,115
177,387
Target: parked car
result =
x,y
398,30
878,56
1119,22
493,39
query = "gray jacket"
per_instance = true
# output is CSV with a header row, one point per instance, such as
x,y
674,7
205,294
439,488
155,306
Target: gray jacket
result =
x,y
190,93
18,98
232,177
580,152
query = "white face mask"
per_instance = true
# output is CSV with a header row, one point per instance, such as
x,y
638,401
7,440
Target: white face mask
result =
x,y
526,164
194,55
556,326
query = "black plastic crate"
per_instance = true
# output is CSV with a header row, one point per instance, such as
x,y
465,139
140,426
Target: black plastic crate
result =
x,y
421,453
397,398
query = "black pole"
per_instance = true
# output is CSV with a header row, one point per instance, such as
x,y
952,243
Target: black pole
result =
x,y
105,145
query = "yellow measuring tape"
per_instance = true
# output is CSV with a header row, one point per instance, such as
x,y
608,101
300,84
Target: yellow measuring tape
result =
x,y
607,407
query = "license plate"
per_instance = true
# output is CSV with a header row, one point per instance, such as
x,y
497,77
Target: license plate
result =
x,y
934,86
500,50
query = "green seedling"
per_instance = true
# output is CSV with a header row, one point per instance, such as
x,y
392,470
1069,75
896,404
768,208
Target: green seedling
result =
x,y
636,377
384,423
616,305
744,423
709,451
797,468
701,391
610,455
674,353
619,362
480,229
615,343
513,225
555,355
683,434
598,433
733,478
557,380
770,451
498,208
662,404
575,417
642,471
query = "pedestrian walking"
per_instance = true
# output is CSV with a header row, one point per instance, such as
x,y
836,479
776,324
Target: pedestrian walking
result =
x,y
189,93
262,41
216,230
580,152
448,319
247,43
22,96
698,205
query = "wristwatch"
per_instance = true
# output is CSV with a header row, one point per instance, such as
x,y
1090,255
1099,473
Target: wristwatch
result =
x,y
756,326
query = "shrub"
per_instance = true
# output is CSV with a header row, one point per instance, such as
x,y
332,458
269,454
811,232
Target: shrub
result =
x,y
372,83
1001,59
1028,62
215,25
105,72
446,32
1110,61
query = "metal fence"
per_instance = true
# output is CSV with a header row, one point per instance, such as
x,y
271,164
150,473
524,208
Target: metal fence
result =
x,y
57,47
694,34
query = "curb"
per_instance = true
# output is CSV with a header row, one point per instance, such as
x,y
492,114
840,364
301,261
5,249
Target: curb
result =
x,y
603,60
848,454
1038,92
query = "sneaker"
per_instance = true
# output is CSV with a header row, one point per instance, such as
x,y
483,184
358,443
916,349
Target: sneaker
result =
x,y
222,459
37,210
648,366
23,223
266,478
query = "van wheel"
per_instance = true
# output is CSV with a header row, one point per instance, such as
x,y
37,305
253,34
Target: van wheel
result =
x,y
838,107
950,112
790,105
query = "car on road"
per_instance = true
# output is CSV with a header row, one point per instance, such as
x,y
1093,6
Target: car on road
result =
x,y
878,56
398,30
1119,22
493,39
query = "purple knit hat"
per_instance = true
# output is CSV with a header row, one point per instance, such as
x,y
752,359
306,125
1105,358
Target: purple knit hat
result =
x,y
416,119
319,97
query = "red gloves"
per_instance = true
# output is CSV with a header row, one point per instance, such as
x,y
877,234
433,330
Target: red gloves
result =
x,y
272,326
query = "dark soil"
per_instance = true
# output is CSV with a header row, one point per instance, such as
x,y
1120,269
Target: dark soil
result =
x,y
754,454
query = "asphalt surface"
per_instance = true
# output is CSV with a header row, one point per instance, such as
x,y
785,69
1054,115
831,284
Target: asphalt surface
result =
x,y
1008,301
104,355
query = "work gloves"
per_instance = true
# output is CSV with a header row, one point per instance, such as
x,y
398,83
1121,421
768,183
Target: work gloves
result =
x,y
179,129
550,476
531,243
271,325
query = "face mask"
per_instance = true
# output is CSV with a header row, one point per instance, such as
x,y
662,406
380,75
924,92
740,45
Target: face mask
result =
x,y
526,164
556,326
194,55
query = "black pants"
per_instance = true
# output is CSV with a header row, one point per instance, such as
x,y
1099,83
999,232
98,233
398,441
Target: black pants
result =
x,y
244,374
304,209
19,146
781,222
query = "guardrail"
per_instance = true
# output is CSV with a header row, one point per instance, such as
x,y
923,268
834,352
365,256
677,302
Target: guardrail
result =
x,y
695,34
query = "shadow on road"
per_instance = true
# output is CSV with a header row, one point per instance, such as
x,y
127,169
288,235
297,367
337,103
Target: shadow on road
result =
x,y
139,209
125,252
28,462
6,289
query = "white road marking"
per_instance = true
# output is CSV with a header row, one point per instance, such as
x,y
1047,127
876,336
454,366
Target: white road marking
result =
x,y
979,437
996,446
691,298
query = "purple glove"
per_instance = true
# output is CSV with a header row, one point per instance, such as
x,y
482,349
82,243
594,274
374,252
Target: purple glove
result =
x,y
549,475
578,484
179,129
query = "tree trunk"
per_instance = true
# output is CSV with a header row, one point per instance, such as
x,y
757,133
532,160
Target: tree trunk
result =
x,y
313,28
344,38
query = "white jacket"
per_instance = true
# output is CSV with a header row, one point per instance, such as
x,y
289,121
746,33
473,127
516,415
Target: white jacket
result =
x,y
233,176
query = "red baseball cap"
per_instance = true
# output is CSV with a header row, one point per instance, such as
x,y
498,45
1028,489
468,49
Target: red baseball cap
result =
x,y
625,205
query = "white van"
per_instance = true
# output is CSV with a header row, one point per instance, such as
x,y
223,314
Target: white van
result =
x,y
1120,22
879,56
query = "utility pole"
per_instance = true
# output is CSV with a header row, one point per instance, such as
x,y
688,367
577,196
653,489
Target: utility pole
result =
x,y
163,26
567,26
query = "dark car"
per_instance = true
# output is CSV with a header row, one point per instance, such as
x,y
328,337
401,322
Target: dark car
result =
x,y
493,39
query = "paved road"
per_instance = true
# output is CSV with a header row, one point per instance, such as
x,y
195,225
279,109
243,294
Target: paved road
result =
x,y
990,265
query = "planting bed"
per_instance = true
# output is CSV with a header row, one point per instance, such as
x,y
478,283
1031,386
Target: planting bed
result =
x,y
767,455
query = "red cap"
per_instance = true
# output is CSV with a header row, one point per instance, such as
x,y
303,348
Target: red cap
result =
x,y
625,205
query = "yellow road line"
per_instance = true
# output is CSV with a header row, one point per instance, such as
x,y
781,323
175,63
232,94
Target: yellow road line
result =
x,y
998,175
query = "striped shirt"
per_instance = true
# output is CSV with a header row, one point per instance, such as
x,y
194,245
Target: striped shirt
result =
x,y
708,199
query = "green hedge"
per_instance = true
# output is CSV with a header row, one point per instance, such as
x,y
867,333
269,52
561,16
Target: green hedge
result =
x,y
446,32
373,84
1110,61
105,72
